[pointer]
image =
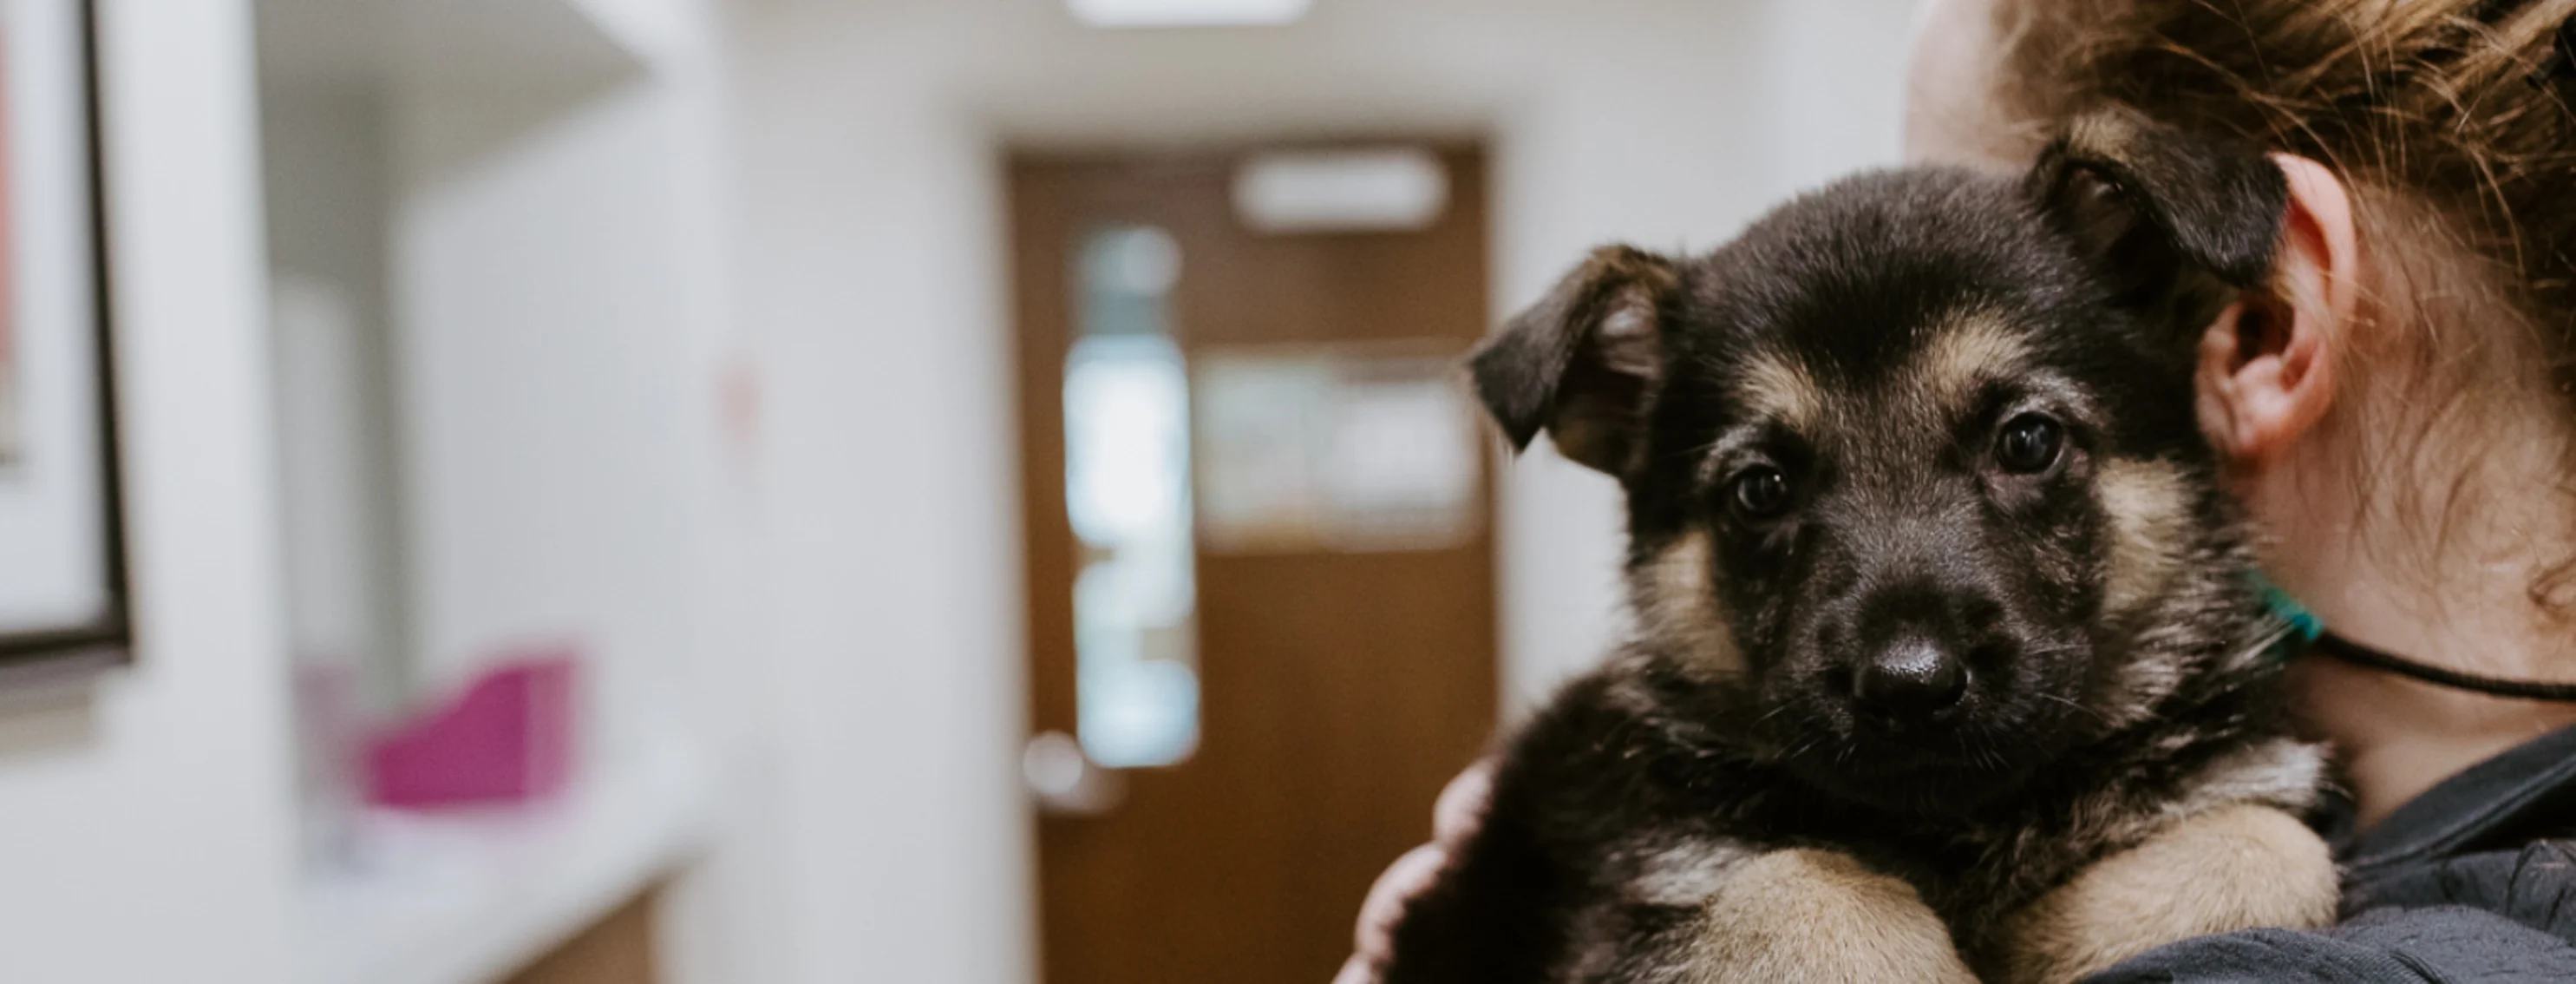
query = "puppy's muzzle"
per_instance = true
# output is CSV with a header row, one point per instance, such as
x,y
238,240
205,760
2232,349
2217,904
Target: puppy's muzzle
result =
x,y
1916,652
1911,680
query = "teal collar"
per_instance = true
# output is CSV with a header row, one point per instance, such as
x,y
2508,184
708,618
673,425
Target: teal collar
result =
x,y
2304,627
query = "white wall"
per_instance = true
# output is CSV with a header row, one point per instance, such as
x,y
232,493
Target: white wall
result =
x,y
516,201
324,145
565,349
869,266
324,141
146,826
1836,96
545,406
868,289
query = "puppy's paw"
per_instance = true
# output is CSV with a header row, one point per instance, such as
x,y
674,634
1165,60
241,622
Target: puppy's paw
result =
x,y
1818,917
2238,867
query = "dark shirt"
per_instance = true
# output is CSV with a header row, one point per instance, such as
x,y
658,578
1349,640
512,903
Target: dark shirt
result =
x,y
2473,881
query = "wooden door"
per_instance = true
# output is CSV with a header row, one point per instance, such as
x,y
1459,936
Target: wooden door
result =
x,y
1338,687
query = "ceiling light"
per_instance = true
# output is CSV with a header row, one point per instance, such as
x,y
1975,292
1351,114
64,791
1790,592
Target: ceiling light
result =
x,y
1392,189
1187,13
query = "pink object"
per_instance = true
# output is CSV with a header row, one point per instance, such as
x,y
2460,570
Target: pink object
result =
x,y
507,739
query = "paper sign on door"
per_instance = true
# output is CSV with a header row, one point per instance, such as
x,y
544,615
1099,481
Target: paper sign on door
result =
x,y
1334,448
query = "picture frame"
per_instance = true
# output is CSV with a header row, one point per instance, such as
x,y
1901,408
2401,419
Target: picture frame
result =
x,y
63,587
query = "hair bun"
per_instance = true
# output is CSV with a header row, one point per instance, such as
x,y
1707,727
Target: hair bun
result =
x,y
2561,63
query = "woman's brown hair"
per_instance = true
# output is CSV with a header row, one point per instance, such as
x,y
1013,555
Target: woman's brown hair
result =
x,y
2451,122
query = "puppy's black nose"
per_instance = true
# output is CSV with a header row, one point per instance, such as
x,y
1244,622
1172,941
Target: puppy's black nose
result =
x,y
1910,681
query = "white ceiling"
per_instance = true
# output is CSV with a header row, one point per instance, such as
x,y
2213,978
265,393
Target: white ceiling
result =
x,y
480,42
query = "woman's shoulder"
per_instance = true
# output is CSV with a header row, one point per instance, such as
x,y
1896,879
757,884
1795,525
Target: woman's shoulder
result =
x,y
2533,883
2498,837
2386,946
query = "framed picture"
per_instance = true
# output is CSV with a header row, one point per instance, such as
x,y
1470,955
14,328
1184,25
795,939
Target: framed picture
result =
x,y
62,559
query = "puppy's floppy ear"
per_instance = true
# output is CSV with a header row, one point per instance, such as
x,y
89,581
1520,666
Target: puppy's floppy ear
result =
x,y
1584,363
2179,220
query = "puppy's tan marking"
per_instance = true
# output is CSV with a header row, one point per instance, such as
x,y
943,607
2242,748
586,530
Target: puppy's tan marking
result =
x,y
2149,506
1677,601
2282,773
1625,339
1776,386
1820,916
1967,350
2238,867
1688,873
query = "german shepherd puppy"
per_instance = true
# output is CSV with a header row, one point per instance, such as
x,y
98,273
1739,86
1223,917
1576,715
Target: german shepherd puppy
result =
x,y
1949,657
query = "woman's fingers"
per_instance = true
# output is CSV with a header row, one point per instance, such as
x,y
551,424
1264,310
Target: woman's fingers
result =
x,y
1453,819
1356,970
1462,806
1403,880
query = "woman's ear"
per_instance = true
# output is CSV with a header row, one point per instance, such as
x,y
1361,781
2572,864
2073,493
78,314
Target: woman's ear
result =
x,y
2266,364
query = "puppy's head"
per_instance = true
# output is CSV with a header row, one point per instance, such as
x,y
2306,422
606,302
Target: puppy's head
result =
x,y
1917,498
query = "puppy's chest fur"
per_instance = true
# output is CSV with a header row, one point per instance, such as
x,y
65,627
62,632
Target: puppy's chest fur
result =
x,y
1691,807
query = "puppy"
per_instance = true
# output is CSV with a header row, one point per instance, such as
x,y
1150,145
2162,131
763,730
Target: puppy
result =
x,y
1948,659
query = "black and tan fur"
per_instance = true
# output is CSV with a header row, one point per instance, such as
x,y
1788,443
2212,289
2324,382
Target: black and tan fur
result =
x,y
1900,705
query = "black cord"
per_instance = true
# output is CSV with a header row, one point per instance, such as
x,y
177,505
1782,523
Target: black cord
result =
x,y
2361,655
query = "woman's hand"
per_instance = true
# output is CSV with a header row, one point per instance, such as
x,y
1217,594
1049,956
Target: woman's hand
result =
x,y
1460,808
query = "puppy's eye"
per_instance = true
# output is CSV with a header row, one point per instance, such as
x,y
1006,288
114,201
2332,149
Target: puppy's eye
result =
x,y
2029,444
1760,492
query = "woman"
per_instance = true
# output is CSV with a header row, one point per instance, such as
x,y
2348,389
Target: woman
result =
x,y
2399,411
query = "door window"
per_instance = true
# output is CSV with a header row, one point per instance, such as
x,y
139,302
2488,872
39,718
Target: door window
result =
x,y
1127,487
